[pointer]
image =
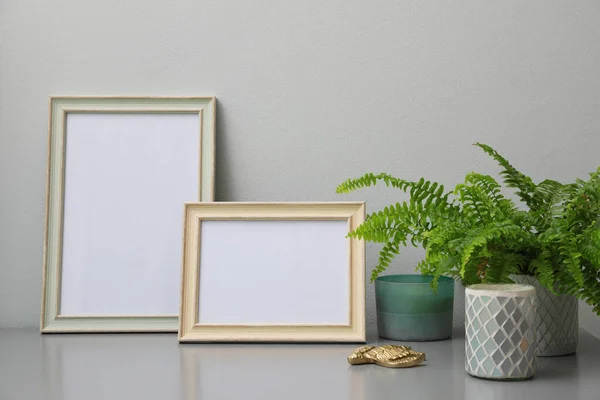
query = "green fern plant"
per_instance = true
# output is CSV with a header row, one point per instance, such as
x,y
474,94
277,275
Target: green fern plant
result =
x,y
472,233
565,221
475,234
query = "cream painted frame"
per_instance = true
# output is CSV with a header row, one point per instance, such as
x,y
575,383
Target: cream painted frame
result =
x,y
195,213
50,319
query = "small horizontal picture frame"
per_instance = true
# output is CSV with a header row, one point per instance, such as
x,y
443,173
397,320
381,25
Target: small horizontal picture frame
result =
x,y
273,272
120,170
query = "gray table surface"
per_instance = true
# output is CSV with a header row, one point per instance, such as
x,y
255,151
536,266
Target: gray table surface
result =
x,y
155,366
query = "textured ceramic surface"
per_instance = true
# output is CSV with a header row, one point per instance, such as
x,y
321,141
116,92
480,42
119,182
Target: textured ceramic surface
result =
x,y
409,310
500,331
557,320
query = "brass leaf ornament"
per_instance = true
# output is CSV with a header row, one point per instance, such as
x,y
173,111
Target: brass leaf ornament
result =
x,y
389,355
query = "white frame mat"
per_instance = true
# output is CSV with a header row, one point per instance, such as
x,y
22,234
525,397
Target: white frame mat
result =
x,y
273,272
120,170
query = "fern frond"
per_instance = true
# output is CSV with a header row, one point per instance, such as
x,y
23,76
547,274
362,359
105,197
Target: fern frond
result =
x,y
489,193
473,272
438,264
589,245
512,177
546,191
544,269
503,264
481,199
386,254
376,229
479,238
590,291
571,259
422,191
492,188
368,180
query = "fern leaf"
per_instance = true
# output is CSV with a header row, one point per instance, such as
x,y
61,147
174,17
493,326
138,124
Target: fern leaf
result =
x,y
544,270
590,245
386,254
512,177
371,179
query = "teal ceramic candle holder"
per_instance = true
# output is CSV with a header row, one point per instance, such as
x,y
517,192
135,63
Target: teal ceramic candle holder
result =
x,y
409,310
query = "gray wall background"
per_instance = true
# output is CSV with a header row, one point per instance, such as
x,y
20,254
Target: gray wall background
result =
x,y
310,93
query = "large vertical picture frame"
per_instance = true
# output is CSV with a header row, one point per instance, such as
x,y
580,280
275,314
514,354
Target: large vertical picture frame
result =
x,y
282,272
120,170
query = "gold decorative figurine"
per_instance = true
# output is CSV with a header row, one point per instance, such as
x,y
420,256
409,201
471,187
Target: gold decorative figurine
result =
x,y
389,355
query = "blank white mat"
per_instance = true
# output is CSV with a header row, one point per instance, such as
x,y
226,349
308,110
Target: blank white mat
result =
x,y
127,178
274,272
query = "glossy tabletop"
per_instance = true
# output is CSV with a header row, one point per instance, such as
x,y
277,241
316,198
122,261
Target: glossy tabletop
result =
x,y
155,366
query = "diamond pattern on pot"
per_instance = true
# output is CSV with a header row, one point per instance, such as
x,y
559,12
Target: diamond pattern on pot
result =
x,y
500,337
557,321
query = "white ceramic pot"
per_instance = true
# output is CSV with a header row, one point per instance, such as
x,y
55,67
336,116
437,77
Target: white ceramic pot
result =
x,y
500,331
557,320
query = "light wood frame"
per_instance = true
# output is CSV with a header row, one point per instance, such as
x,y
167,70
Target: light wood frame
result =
x,y
192,331
51,320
